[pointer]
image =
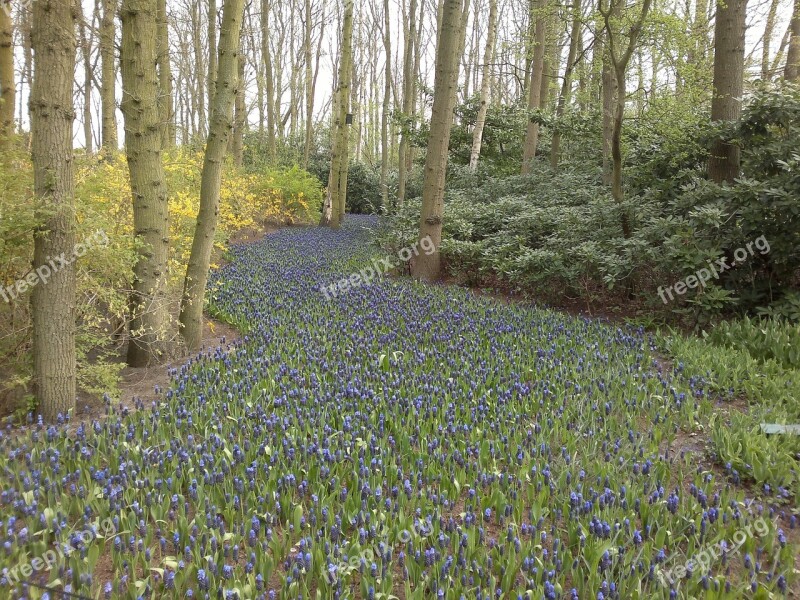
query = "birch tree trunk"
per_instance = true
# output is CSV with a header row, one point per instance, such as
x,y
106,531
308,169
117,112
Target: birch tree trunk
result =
x,y
486,82
8,87
52,114
108,75
148,302
453,23
726,103
194,287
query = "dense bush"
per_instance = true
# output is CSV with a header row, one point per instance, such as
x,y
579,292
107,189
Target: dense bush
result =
x,y
558,233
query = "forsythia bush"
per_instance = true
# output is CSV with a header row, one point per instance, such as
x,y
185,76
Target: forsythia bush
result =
x,y
248,201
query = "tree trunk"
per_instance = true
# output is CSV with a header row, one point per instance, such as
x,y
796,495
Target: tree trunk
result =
x,y
7,85
52,114
148,303
486,82
566,86
428,266
108,100
336,195
409,93
86,58
387,93
726,104
535,86
266,56
212,51
194,287
165,97
792,70
309,87
240,117
199,64
769,29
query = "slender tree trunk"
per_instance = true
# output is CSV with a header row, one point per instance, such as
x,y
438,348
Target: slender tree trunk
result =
x,y
200,90
620,62
266,56
792,69
486,82
566,86
309,86
165,96
428,266
769,29
52,114
212,51
726,104
148,303
387,93
240,117
108,89
535,87
7,85
86,57
409,93
194,287
335,197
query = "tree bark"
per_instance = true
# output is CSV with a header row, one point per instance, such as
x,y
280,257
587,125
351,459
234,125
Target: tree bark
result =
x,y
409,93
769,29
194,287
726,103
335,197
486,82
148,302
108,73
535,86
212,51
266,56
165,97
387,92
428,266
309,86
619,62
52,114
566,87
240,117
7,85
86,58
792,70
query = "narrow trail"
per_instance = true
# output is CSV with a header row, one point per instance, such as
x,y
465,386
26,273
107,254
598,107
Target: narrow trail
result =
x,y
399,439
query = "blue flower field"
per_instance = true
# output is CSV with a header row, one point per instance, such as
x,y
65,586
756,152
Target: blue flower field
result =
x,y
399,440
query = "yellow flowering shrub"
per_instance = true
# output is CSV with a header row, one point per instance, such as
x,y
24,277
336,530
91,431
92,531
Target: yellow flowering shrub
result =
x,y
103,203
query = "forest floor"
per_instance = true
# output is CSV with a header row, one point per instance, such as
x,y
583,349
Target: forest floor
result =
x,y
398,438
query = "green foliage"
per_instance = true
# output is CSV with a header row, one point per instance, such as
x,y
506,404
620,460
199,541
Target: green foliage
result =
x,y
364,193
764,339
558,232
